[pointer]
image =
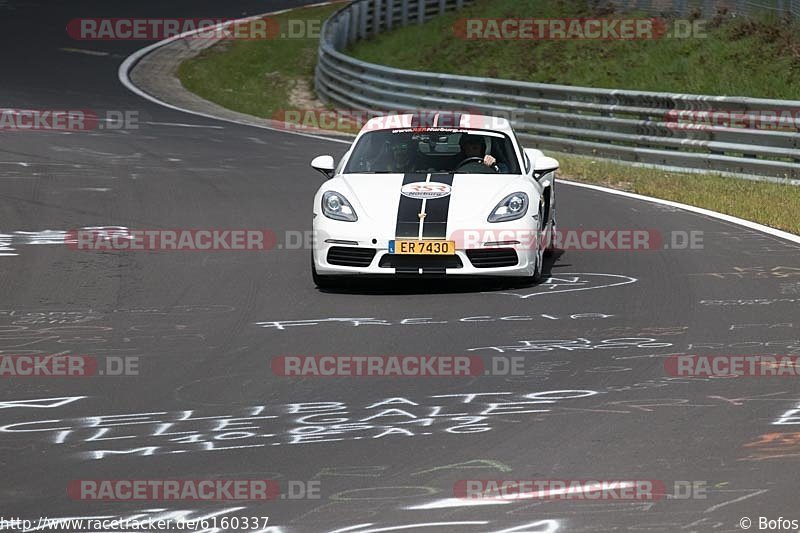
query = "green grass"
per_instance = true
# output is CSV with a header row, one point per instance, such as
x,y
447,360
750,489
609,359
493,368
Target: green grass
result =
x,y
738,57
772,204
257,76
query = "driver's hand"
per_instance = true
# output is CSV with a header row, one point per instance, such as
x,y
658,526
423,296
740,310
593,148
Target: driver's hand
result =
x,y
489,160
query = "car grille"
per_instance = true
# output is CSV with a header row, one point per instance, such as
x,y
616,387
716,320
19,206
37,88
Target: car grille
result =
x,y
350,256
493,257
412,263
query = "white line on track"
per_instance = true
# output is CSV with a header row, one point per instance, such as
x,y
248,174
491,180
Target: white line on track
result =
x,y
85,52
180,125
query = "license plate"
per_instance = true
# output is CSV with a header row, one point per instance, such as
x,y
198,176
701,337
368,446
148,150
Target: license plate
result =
x,y
402,247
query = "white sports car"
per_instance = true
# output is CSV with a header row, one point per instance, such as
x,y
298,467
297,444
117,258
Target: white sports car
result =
x,y
415,197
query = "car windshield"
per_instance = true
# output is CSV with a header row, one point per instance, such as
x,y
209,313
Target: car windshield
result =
x,y
433,150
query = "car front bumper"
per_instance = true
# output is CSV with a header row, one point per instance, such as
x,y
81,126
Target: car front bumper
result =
x,y
342,256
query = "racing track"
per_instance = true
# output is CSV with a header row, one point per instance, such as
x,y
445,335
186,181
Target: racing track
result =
x,y
193,319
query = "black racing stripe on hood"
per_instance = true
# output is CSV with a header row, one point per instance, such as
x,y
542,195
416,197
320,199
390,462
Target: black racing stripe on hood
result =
x,y
437,211
407,211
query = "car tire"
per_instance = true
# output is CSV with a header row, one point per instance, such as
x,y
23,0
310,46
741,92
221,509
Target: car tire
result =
x,y
551,245
322,282
537,273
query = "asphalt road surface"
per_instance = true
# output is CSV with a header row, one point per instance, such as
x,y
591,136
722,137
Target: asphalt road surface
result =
x,y
594,401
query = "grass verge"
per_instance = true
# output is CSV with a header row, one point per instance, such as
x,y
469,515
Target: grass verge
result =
x,y
262,77
773,204
757,57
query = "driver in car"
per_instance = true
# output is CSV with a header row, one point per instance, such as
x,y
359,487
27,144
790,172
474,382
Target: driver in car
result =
x,y
473,146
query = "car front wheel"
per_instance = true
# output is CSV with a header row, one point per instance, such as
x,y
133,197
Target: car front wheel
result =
x,y
323,282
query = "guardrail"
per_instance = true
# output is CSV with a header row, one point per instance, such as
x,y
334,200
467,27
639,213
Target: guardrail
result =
x,y
656,129
708,8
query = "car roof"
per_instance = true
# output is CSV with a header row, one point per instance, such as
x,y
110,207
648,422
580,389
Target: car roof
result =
x,y
439,119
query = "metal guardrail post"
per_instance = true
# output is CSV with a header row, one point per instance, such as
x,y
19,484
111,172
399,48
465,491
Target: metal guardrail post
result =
x,y
353,23
362,20
404,12
421,11
376,16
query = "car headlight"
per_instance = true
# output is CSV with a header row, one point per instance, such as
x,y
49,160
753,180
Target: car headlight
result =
x,y
511,207
336,206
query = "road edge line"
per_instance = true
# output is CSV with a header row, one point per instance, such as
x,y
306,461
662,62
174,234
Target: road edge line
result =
x,y
691,208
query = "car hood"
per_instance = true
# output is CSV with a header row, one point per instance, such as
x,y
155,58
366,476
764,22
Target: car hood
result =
x,y
379,202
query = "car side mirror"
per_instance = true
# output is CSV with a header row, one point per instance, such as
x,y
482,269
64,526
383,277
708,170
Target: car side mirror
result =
x,y
324,164
544,165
